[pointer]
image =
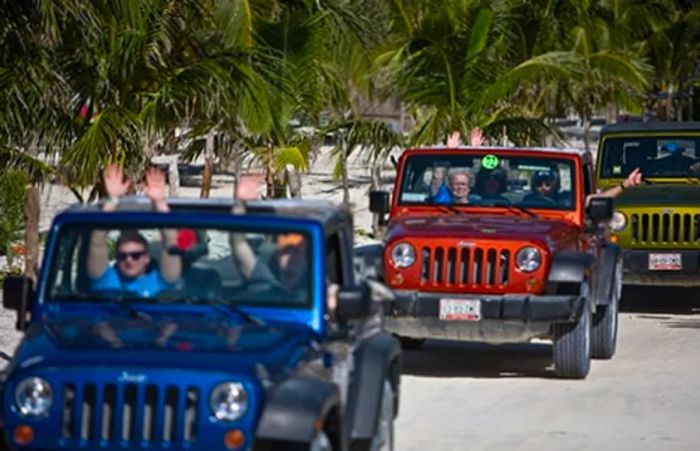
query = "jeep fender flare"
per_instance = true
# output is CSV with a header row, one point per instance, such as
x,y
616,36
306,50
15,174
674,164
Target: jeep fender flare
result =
x,y
570,267
376,359
610,255
293,408
368,260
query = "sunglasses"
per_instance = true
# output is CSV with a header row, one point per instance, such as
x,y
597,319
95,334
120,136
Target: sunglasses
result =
x,y
546,183
121,256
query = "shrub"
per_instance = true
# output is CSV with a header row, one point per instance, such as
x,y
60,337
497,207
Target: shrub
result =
x,y
13,191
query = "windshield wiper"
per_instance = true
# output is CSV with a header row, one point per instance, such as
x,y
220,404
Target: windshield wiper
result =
x,y
216,302
512,207
120,301
447,206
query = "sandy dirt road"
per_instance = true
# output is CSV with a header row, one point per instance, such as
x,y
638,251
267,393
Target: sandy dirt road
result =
x,y
458,396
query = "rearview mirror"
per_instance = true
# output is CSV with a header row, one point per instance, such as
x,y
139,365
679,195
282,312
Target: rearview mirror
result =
x,y
354,303
379,202
600,208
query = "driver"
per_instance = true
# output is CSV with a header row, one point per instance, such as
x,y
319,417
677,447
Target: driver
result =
x,y
677,162
132,271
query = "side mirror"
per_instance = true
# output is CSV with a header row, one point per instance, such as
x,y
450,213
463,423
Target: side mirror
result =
x,y
600,209
379,202
354,303
17,292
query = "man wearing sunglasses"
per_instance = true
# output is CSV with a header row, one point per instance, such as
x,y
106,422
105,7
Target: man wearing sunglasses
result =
x,y
132,271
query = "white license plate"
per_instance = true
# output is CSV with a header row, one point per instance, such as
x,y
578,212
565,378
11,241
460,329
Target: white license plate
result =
x,y
460,309
665,262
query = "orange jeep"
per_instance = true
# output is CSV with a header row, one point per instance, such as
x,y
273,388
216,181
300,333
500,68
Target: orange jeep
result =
x,y
499,245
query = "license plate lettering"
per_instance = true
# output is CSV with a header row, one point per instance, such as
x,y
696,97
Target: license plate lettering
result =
x,y
460,309
665,262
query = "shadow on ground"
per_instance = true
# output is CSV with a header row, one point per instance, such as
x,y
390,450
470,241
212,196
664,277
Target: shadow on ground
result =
x,y
449,359
652,299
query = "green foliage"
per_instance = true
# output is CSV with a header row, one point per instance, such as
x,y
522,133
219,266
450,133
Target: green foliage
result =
x,y
13,191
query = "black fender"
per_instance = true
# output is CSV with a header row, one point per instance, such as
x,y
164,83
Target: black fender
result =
x,y
375,359
293,409
368,260
570,267
610,255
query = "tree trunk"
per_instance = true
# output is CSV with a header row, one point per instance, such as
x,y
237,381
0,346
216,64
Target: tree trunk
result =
x,y
270,171
375,185
208,166
32,213
587,132
344,171
611,113
173,177
294,181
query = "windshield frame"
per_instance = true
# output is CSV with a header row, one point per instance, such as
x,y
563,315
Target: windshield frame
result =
x,y
670,134
533,153
155,220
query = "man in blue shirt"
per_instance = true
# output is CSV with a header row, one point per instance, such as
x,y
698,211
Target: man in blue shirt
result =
x,y
132,271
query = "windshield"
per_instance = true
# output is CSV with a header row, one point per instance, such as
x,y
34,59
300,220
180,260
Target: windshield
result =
x,y
661,156
489,179
196,265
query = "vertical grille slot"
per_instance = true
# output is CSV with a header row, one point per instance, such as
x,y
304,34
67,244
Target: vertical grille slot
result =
x,y
150,410
452,266
634,221
505,265
425,265
108,412
438,265
88,412
491,267
190,426
645,227
464,266
676,228
687,224
170,417
68,425
477,275
666,228
655,227
696,233
129,413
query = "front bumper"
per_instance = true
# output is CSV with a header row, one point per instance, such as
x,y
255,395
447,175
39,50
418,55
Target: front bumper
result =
x,y
504,318
637,272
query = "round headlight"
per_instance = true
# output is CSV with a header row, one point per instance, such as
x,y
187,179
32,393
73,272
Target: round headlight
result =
x,y
528,259
228,401
34,397
618,221
403,255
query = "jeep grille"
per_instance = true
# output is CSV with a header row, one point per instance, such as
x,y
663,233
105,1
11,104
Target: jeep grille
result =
x,y
669,228
134,413
476,266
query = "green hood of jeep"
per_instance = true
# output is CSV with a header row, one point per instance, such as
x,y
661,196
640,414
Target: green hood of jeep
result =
x,y
667,194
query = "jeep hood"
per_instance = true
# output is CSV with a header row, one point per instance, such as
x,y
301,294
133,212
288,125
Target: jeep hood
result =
x,y
486,227
209,343
667,195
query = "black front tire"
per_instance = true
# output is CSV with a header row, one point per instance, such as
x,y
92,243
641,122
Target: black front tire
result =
x,y
572,346
605,321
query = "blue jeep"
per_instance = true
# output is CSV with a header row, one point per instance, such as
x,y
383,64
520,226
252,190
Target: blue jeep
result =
x,y
219,357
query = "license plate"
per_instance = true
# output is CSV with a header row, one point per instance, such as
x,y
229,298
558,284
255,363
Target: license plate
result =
x,y
460,309
665,262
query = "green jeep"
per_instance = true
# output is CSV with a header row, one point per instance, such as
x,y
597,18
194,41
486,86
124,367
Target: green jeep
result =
x,y
658,222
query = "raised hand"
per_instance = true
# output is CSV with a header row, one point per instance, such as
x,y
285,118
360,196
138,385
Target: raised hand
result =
x,y
114,181
634,179
156,188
